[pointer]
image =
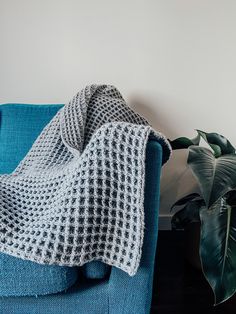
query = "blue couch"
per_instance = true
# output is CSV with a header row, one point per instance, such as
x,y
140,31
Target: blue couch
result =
x,y
30,288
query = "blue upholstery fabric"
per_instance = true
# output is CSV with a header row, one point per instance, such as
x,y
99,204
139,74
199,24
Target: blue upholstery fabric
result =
x,y
96,270
20,125
118,293
21,278
86,298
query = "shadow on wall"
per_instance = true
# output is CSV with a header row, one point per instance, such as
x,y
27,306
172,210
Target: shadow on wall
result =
x,y
149,108
177,179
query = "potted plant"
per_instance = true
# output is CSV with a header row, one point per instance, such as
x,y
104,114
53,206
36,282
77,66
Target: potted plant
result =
x,y
214,208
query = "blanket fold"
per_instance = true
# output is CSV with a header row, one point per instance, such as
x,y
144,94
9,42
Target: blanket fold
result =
x,y
78,194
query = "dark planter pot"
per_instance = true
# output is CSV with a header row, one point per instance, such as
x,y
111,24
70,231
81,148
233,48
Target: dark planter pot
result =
x,y
192,242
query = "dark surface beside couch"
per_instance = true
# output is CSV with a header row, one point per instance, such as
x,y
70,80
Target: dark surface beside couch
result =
x,y
178,287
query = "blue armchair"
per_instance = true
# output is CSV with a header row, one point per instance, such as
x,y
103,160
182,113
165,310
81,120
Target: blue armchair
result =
x,y
30,288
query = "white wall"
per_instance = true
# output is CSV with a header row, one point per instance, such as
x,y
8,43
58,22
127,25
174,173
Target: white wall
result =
x,y
174,60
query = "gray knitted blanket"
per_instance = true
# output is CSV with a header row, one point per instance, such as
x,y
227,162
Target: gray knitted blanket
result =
x,y
78,195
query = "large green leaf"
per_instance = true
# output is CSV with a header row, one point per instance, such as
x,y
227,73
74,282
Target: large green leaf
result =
x,y
216,176
218,248
184,142
188,214
185,199
219,143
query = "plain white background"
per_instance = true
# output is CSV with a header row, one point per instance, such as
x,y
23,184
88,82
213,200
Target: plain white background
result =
x,y
173,60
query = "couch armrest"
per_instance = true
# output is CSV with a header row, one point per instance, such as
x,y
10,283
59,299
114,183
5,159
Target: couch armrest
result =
x,y
127,294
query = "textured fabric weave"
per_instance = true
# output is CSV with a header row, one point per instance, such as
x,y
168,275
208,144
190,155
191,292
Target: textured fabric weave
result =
x,y
78,194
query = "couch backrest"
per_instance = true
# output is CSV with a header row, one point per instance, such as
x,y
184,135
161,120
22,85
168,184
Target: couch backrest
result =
x,y
19,127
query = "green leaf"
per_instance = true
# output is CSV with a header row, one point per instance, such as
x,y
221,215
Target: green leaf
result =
x,y
188,214
184,142
184,200
218,143
215,176
181,143
216,149
218,248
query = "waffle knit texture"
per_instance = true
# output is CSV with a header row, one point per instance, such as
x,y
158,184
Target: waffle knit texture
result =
x,y
78,195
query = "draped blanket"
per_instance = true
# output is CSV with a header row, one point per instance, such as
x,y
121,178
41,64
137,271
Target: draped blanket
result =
x,y
78,195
